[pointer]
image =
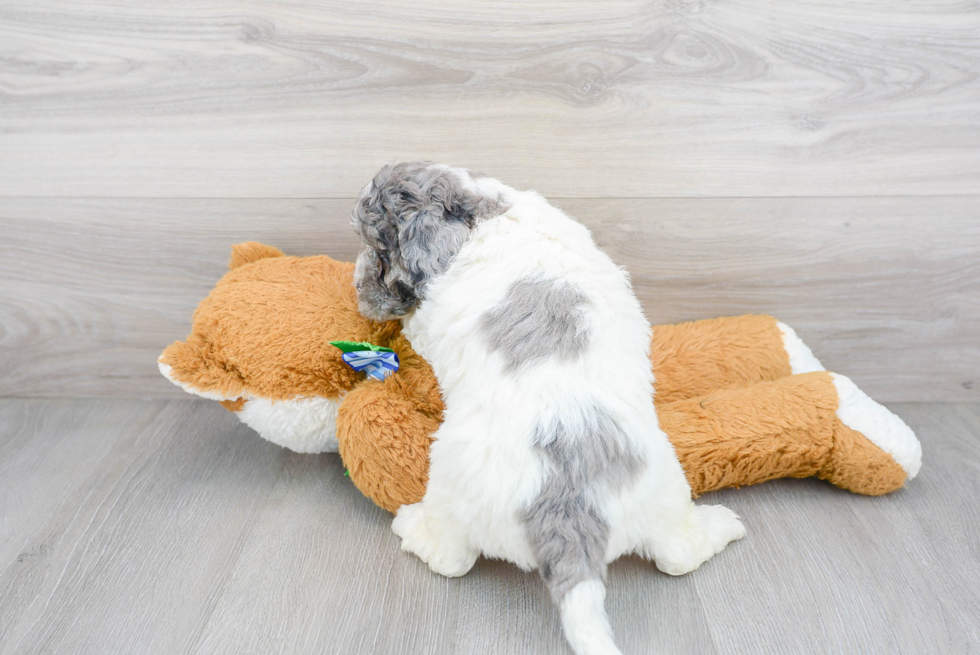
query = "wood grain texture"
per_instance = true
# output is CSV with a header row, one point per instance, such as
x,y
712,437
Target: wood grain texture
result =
x,y
167,527
835,572
630,98
816,160
886,291
130,559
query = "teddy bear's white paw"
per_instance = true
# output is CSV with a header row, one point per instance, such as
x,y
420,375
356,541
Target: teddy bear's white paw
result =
x,y
884,429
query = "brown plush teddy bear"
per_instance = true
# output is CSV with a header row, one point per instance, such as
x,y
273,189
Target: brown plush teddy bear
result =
x,y
742,399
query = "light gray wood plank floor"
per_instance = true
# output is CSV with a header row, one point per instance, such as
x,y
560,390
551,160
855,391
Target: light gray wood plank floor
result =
x,y
152,526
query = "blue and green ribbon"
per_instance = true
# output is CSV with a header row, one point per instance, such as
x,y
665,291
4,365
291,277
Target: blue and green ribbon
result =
x,y
377,362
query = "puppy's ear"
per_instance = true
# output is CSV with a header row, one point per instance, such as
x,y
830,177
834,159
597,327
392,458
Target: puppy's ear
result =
x,y
416,216
440,206
430,238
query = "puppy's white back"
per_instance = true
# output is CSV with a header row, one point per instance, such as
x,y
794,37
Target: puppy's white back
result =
x,y
501,410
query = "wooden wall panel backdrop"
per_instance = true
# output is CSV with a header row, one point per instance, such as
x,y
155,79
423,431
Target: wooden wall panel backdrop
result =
x,y
679,98
886,290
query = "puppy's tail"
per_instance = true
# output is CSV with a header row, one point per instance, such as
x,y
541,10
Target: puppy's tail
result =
x,y
583,618
565,525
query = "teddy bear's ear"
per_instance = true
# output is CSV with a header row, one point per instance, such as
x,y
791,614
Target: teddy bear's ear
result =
x,y
251,251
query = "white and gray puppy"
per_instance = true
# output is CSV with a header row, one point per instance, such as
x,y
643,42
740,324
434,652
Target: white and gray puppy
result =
x,y
550,454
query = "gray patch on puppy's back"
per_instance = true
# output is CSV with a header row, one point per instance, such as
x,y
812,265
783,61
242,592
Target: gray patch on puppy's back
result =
x,y
538,319
588,454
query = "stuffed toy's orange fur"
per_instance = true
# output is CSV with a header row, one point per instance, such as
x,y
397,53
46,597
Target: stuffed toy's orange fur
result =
x,y
725,391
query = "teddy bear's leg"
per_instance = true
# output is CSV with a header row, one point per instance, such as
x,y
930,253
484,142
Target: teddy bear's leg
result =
x,y
694,359
874,450
746,436
799,426
801,359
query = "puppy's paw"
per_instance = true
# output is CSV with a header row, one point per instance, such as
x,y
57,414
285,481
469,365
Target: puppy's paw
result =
x,y
446,554
452,564
721,526
409,525
705,533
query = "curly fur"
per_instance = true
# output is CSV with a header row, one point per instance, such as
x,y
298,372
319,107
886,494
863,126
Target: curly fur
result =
x,y
413,218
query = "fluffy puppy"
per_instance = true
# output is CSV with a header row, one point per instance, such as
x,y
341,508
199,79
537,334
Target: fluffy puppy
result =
x,y
550,454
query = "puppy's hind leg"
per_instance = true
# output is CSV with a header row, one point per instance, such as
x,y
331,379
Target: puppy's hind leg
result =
x,y
437,541
432,529
684,546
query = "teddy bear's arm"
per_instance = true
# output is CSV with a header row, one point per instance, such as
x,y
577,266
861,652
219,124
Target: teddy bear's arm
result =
x,y
385,428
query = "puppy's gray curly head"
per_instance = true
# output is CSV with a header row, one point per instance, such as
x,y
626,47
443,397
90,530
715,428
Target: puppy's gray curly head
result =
x,y
413,218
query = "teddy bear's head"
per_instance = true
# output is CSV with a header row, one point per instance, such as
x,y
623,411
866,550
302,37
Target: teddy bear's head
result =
x,y
257,344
